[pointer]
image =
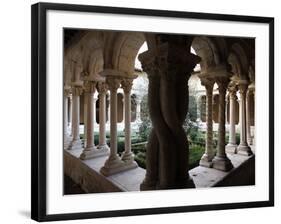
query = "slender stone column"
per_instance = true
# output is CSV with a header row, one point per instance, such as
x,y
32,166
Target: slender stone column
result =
x,y
90,150
138,109
243,147
85,97
207,157
114,163
128,156
102,89
65,110
70,115
65,121
76,142
221,162
94,109
248,111
232,146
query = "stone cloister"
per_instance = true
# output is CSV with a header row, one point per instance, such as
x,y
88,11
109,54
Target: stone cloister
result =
x,y
101,64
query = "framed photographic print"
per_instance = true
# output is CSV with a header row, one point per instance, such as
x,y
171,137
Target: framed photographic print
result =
x,y
138,111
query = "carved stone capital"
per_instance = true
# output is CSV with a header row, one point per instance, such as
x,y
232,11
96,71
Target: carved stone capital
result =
x,y
232,89
89,86
113,83
127,85
76,90
243,88
67,92
222,84
250,92
102,87
148,62
208,83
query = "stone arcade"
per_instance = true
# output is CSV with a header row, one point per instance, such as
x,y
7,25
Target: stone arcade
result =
x,y
102,63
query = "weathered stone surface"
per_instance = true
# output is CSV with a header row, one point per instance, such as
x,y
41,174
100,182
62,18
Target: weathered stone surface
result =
x,y
86,174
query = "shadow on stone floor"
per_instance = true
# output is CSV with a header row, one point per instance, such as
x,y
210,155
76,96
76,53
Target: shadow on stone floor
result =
x,y
70,187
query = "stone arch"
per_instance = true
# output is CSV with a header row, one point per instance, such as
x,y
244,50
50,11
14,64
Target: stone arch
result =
x,y
92,58
125,51
73,66
207,50
238,58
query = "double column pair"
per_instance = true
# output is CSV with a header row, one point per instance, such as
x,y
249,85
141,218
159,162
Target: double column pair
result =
x,y
243,148
219,160
90,150
115,163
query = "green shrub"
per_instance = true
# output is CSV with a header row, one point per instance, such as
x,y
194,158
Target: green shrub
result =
x,y
140,158
195,154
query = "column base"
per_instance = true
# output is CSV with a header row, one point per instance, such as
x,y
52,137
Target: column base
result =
x,y
206,161
231,148
103,147
127,157
250,141
222,163
66,142
115,165
89,153
148,185
178,184
244,150
76,144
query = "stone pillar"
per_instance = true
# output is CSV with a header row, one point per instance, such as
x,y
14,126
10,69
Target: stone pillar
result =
x,y
243,147
138,109
128,156
65,111
90,150
76,142
66,139
221,162
85,97
95,109
102,89
169,67
114,163
232,146
248,111
70,115
207,157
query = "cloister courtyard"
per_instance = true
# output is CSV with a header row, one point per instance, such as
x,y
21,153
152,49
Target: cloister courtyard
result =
x,y
152,111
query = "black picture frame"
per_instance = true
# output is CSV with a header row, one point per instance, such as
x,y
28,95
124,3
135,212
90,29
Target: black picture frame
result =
x,y
39,114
